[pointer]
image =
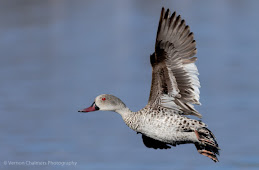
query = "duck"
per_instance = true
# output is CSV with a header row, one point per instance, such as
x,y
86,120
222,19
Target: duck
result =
x,y
164,121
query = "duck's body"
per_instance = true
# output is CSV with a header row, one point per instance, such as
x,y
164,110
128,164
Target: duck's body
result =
x,y
174,90
163,125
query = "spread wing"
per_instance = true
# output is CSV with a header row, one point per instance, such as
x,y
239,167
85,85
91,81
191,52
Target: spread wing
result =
x,y
175,83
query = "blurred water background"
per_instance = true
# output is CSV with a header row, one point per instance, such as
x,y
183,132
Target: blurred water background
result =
x,y
57,56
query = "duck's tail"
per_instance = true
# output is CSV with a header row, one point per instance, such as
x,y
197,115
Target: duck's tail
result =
x,y
208,145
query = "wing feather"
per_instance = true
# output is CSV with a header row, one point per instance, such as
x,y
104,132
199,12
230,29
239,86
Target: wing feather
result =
x,y
175,82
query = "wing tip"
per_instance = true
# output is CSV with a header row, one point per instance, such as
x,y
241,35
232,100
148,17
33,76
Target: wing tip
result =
x,y
167,13
162,13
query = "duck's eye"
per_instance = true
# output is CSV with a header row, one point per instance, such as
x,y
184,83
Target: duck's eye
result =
x,y
103,98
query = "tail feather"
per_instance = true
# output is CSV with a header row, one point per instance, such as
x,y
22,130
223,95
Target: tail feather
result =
x,y
208,145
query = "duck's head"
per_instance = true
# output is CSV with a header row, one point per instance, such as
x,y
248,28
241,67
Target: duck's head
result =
x,y
105,102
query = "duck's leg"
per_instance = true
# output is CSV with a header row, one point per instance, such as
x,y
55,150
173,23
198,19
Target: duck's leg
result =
x,y
205,141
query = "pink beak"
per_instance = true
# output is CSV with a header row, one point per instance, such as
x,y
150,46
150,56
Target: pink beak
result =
x,y
92,108
89,109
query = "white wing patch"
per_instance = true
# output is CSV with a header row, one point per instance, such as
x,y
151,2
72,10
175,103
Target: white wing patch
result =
x,y
192,71
168,102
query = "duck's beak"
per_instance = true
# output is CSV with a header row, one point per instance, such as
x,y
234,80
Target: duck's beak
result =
x,y
92,108
89,109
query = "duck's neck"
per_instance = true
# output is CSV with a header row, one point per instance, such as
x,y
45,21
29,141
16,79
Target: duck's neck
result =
x,y
129,117
125,112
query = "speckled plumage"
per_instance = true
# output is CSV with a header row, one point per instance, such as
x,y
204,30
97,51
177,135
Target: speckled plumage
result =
x,y
169,127
174,90
164,125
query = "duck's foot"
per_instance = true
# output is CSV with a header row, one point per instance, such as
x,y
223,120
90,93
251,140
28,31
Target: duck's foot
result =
x,y
206,147
209,154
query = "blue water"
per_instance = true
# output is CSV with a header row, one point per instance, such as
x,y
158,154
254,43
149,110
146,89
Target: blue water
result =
x,y
57,56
